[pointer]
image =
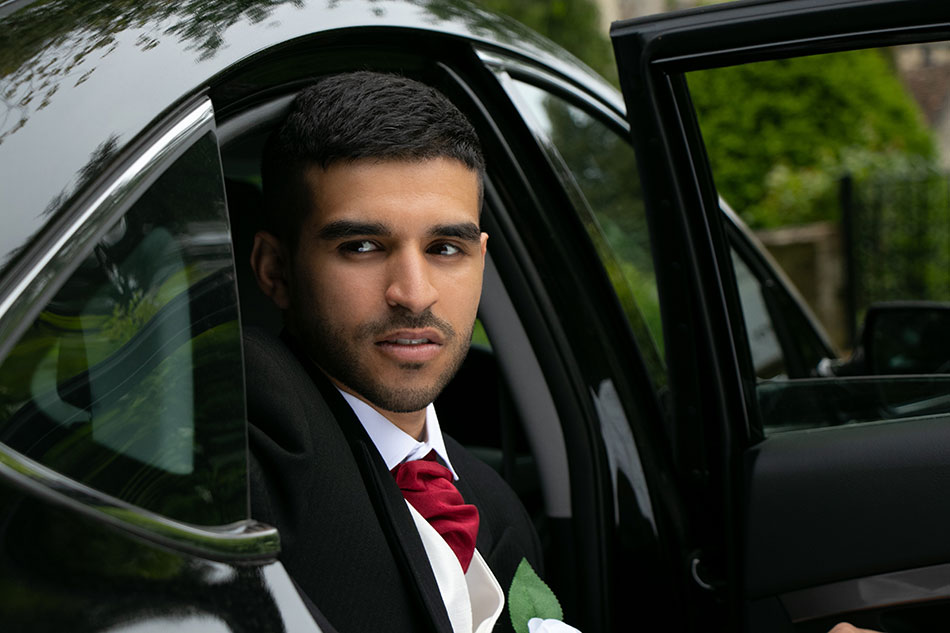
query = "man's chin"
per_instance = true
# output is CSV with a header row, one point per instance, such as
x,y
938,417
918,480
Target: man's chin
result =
x,y
400,394
403,396
403,401
383,382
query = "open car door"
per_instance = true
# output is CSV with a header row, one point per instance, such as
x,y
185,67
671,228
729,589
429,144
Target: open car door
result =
x,y
813,497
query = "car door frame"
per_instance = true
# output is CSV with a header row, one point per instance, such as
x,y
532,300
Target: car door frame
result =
x,y
718,436
644,573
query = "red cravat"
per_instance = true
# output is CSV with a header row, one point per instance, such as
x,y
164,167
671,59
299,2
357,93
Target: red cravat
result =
x,y
427,485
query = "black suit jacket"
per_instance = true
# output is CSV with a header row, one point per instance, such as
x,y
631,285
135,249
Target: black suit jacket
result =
x,y
347,537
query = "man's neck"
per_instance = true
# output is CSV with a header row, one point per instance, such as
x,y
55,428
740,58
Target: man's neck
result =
x,y
412,423
395,445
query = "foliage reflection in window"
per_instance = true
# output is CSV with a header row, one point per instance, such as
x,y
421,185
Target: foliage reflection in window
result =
x,y
129,380
603,167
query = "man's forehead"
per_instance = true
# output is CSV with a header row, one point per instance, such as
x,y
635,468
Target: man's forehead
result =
x,y
394,195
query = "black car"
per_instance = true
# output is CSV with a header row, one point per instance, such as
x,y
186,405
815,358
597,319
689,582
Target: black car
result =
x,y
663,400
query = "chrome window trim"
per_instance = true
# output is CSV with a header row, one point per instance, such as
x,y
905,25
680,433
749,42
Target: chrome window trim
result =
x,y
31,292
241,541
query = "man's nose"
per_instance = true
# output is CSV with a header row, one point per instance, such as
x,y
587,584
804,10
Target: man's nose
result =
x,y
409,282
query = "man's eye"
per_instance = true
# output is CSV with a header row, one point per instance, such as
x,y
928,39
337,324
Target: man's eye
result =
x,y
445,249
359,246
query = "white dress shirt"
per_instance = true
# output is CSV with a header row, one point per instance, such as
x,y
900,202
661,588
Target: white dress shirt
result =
x,y
473,599
395,445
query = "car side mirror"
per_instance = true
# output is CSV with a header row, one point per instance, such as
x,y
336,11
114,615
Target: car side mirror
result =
x,y
906,337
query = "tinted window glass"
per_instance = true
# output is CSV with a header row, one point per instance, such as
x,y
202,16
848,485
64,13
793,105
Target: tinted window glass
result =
x,y
602,168
767,358
783,340
130,379
840,162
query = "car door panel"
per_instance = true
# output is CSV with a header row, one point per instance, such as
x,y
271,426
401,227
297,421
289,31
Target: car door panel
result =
x,y
841,516
846,502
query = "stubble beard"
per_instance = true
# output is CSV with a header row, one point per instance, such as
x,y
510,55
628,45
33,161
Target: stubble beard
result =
x,y
337,355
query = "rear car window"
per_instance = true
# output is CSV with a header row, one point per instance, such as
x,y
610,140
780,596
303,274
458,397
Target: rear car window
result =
x,y
129,380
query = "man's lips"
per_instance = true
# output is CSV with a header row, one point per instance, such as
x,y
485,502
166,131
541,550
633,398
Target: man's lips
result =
x,y
411,346
412,337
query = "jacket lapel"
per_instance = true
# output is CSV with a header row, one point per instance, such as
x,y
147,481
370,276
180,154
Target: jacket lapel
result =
x,y
404,538
387,499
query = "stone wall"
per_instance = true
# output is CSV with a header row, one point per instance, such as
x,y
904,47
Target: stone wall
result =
x,y
812,257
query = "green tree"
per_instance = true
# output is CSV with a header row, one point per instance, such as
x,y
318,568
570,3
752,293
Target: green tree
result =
x,y
779,133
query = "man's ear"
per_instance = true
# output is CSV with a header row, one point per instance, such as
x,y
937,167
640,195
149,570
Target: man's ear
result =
x,y
271,265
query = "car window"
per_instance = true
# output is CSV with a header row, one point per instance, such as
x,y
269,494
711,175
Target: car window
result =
x,y
784,339
599,168
767,357
129,380
854,143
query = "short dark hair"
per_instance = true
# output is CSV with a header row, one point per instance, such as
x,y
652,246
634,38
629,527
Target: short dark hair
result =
x,y
355,116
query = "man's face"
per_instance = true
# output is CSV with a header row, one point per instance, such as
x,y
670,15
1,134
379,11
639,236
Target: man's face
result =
x,y
384,284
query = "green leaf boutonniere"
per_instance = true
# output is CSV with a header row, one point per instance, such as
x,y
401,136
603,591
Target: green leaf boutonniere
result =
x,y
529,597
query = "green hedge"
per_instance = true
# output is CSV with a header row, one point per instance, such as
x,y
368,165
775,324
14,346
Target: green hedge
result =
x,y
780,133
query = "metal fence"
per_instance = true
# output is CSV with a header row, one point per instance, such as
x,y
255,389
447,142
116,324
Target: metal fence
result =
x,y
896,234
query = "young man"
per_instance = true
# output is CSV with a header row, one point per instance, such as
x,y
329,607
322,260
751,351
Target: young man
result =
x,y
373,186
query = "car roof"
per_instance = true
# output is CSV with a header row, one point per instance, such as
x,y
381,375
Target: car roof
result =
x,y
79,89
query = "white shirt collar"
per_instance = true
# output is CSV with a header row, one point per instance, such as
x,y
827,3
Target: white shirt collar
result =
x,y
395,445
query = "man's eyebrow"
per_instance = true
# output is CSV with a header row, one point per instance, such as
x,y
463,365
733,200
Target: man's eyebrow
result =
x,y
340,229
468,231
